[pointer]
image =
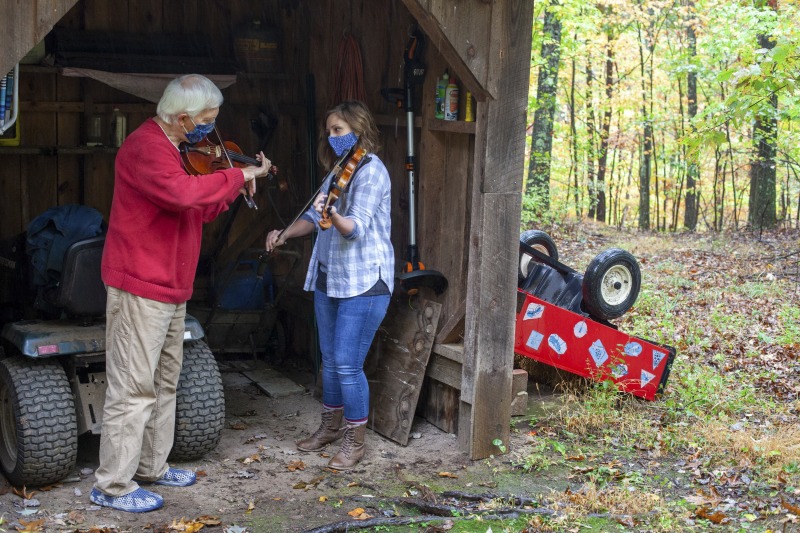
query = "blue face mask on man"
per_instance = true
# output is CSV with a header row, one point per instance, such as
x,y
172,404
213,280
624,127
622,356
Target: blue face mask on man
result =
x,y
199,132
342,144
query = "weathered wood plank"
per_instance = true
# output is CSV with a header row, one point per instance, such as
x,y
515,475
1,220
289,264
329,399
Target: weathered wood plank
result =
x,y
495,206
459,30
11,215
444,370
104,15
451,351
506,116
440,405
25,24
395,366
488,350
70,126
39,174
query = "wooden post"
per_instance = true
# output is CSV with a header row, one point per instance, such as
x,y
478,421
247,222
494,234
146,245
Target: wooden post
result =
x,y
25,24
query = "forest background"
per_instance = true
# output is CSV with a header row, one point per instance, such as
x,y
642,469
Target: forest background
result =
x,y
665,114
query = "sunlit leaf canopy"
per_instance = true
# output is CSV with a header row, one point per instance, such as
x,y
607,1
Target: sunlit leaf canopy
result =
x,y
648,41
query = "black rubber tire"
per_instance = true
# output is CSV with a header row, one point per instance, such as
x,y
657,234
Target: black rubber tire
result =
x,y
611,284
200,408
38,423
539,240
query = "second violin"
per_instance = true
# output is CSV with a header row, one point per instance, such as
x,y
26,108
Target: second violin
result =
x,y
341,179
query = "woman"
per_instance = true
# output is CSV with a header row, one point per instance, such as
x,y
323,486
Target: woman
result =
x,y
149,262
352,276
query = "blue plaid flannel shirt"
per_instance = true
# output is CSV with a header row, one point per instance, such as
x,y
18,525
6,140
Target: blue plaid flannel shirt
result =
x,y
358,260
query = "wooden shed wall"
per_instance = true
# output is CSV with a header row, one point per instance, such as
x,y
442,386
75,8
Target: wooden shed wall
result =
x,y
469,174
53,166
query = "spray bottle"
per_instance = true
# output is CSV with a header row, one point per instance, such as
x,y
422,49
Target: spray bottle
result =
x,y
451,100
441,85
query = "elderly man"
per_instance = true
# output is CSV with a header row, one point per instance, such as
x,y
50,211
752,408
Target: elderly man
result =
x,y
149,262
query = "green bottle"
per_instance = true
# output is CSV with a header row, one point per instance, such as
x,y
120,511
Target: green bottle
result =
x,y
441,85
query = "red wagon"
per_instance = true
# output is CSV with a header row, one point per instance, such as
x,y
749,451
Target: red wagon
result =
x,y
563,318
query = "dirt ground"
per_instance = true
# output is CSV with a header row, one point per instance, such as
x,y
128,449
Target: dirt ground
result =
x,y
256,480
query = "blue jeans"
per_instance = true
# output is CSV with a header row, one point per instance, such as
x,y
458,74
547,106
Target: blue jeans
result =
x,y
346,328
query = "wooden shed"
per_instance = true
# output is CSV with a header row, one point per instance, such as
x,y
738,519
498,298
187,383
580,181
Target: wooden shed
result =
x,y
469,174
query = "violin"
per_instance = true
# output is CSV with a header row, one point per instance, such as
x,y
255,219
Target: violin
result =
x,y
205,157
343,173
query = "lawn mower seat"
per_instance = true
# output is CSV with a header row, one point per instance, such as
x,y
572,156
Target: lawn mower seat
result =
x,y
81,291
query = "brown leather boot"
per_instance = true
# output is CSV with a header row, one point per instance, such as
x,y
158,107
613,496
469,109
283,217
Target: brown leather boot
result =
x,y
352,449
331,429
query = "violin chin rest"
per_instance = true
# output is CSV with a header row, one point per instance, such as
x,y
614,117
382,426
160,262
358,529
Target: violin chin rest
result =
x,y
410,282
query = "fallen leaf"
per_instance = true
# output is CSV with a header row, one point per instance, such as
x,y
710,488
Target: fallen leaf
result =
x,y
353,484
794,509
717,517
356,512
296,465
238,425
185,527
24,494
209,520
250,506
255,458
323,499
35,526
448,474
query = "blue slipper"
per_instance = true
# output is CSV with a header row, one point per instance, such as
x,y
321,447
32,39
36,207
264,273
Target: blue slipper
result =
x,y
138,501
174,477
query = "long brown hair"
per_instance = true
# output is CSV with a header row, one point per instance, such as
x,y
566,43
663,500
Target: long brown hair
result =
x,y
360,120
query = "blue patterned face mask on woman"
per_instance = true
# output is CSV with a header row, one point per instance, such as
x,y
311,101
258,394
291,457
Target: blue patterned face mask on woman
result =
x,y
199,132
342,144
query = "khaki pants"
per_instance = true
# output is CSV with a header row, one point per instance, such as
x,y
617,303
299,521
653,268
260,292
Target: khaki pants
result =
x,y
144,353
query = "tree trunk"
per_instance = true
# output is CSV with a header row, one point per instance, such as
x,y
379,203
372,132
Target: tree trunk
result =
x,y
591,177
692,168
646,141
573,164
762,170
765,138
538,182
605,129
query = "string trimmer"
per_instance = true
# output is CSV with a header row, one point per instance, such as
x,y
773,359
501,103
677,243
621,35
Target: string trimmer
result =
x,y
414,274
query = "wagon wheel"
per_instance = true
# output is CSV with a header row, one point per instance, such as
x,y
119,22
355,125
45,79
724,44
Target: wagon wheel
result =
x,y
611,284
541,242
38,423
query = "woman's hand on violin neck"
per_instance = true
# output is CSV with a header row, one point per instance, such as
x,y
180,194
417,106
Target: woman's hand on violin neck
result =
x,y
319,202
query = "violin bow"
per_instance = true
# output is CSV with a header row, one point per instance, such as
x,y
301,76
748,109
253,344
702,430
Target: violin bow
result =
x,y
248,199
336,168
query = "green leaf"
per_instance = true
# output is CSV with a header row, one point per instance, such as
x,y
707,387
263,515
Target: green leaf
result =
x,y
725,75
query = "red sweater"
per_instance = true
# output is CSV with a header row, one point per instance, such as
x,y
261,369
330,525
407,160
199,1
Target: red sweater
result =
x,y
157,215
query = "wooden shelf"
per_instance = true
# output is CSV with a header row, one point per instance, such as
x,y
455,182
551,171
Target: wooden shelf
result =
x,y
262,75
79,107
452,126
396,120
57,150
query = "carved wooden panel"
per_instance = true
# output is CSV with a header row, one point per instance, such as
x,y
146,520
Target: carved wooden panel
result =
x,y
396,364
